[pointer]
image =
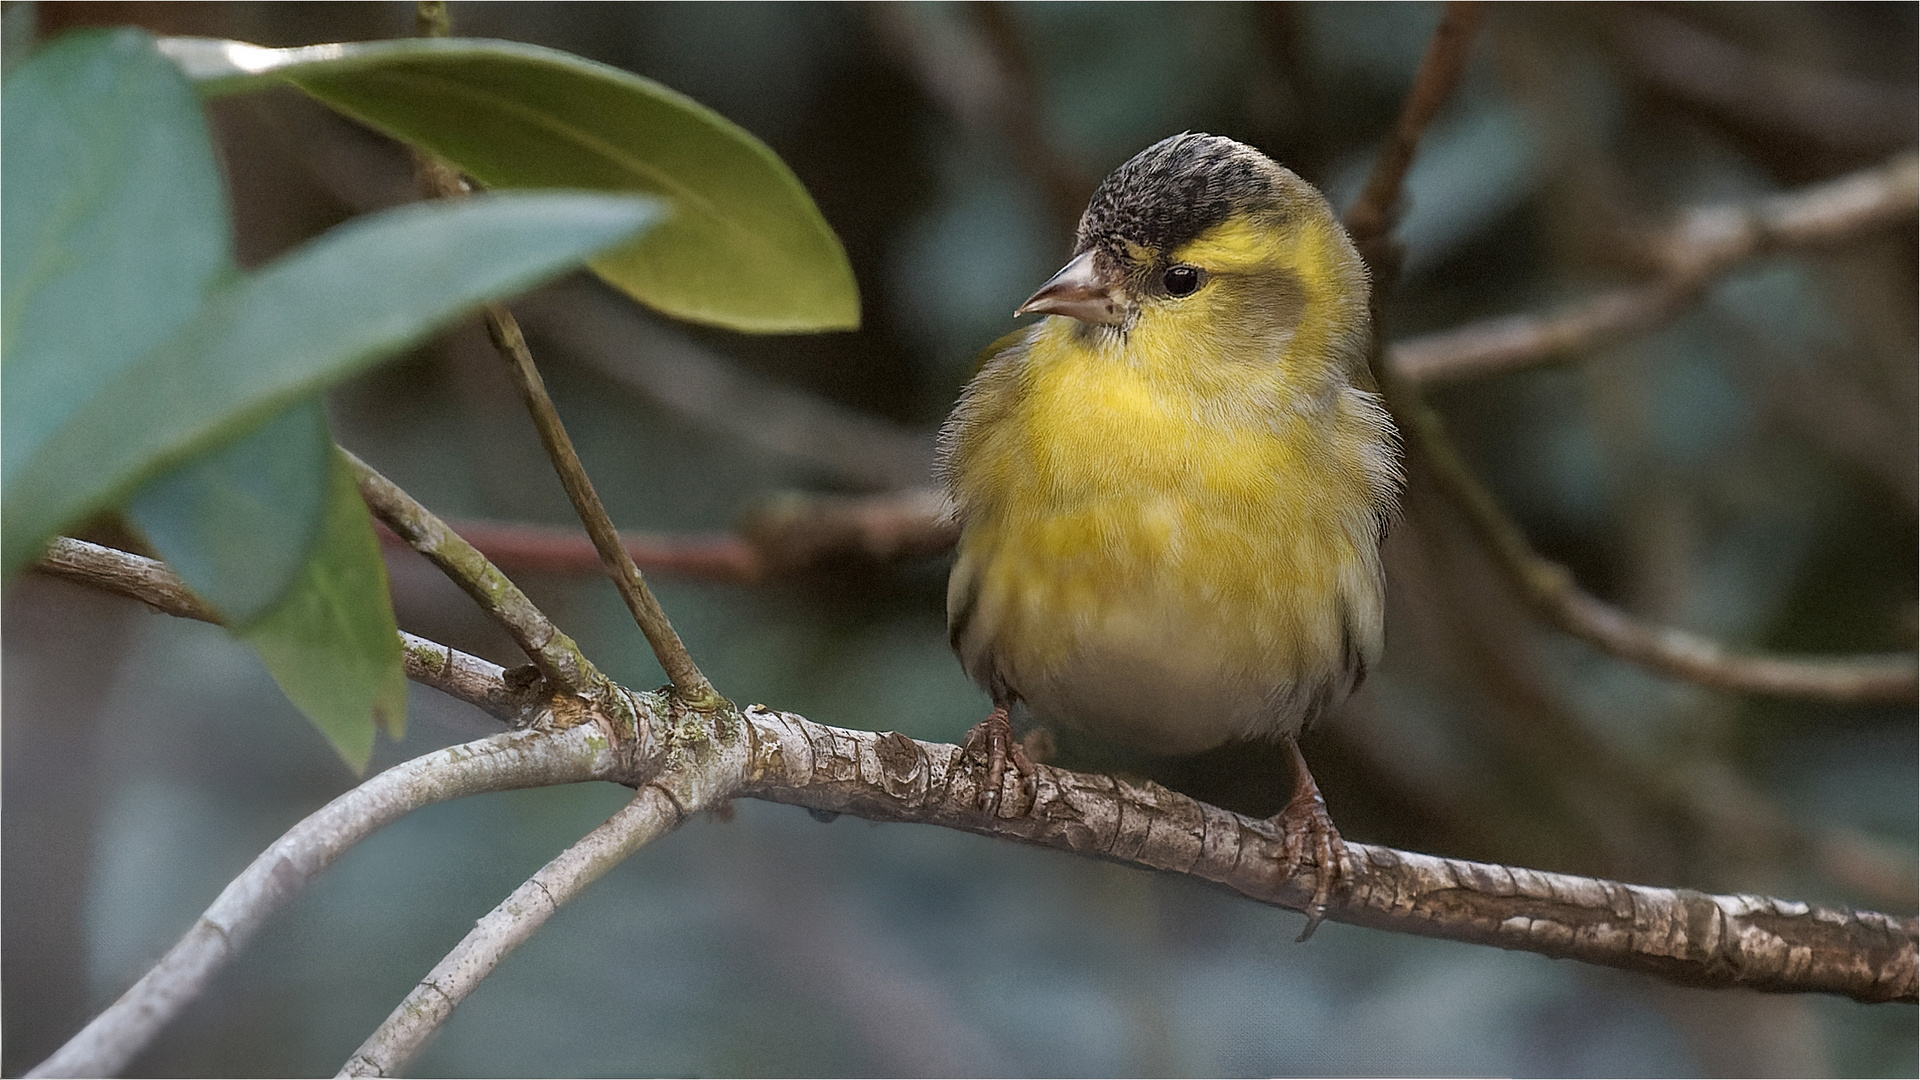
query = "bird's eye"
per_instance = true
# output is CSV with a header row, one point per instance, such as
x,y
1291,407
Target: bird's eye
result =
x,y
1181,280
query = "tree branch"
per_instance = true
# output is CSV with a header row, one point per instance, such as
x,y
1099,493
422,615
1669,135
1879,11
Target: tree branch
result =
x,y
688,682
651,814
556,655
701,759
708,772
1371,217
1676,934
556,549
515,759
1550,590
789,534
441,181
1706,243
626,345
1703,244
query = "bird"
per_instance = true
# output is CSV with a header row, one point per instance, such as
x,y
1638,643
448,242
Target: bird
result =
x,y
1172,489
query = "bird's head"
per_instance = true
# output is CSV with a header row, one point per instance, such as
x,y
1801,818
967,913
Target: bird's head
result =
x,y
1200,240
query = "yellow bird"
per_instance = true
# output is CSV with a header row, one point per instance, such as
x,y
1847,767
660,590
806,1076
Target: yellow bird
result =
x,y
1172,491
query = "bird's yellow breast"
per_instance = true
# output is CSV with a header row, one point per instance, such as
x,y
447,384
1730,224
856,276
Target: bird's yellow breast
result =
x,y
1148,525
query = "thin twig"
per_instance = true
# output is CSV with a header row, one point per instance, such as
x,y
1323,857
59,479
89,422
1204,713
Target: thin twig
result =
x,y
688,682
430,19
1370,219
657,809
1021,114
511,760
152,582
441,181
556,655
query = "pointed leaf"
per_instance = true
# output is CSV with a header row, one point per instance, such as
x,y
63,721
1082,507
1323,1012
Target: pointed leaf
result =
x,y
745,248
113,222
332,644
359,293
239,523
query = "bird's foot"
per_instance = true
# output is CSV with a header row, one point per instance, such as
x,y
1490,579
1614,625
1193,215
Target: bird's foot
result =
x,y
994,738
1307,834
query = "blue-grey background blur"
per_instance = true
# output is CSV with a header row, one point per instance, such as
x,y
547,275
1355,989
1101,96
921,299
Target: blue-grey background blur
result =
x,y
1748,471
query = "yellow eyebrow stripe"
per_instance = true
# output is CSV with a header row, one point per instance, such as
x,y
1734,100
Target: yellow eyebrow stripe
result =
x,y
1238,244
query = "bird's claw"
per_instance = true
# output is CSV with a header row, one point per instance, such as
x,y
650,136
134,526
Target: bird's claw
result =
x,y
1307,834
994,738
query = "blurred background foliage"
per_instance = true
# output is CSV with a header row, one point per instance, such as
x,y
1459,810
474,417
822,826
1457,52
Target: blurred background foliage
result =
x,y
1747,471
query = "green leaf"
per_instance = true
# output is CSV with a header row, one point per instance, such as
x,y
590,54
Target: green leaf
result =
x,y
359,293
745,249
113,223
332,644
239,523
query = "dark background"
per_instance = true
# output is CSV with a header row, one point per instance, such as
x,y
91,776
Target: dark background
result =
x,y
1748,472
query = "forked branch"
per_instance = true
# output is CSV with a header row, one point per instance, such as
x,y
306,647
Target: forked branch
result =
x,y
1677,934
1705,244
441,181
556,655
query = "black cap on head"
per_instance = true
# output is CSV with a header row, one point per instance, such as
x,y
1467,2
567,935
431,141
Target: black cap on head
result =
x,y
1175,190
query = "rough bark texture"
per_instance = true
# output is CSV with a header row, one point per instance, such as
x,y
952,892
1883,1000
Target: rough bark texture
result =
x,y
697,759
1678,934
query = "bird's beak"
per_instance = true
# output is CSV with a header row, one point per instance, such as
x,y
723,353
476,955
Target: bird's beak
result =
x,y
1079,291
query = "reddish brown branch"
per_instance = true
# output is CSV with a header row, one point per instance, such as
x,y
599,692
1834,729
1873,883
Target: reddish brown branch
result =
x,y
553,549
1371,216
790,534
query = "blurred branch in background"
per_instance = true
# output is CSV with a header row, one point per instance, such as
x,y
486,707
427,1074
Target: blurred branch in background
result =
x,y
981,74
1373,215
664,365
1554,596
785,535
1705,242
1804,103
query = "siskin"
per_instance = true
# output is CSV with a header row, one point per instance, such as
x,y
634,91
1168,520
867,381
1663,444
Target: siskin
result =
x,y
1172,491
